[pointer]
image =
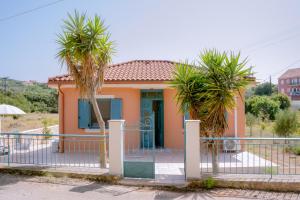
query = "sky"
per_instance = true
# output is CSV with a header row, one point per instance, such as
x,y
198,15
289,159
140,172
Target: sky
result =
x,y
266,32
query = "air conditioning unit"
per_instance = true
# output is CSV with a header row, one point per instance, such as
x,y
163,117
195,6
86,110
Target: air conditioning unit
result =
x,y
231,145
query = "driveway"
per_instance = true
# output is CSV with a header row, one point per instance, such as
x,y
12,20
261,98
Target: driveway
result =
x,y
46,188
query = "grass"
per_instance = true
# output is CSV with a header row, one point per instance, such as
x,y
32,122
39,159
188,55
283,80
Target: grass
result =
x,y
271,170
28,121
209,183
257,132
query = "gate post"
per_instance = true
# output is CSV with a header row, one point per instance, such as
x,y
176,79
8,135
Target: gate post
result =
x,y
116,143
192,149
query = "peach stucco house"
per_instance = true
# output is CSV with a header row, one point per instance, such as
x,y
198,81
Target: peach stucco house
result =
x,y
132,91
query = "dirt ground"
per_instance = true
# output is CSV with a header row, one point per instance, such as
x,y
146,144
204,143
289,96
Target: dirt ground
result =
x,y
28,121
276,151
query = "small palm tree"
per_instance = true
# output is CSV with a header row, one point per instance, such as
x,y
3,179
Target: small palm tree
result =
x,y
226,77
208,89
86,49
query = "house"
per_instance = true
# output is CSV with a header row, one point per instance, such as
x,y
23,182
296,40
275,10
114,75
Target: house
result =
x,y
289,84
133,91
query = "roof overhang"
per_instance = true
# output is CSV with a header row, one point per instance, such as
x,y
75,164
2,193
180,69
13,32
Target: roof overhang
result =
x,y
119,85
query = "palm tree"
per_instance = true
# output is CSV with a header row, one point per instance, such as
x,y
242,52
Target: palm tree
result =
x,y
208,89
86,49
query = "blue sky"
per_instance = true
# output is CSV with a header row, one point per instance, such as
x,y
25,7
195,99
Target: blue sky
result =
x,y
267,32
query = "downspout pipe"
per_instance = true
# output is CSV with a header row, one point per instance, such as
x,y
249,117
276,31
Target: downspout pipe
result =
x,y
62,119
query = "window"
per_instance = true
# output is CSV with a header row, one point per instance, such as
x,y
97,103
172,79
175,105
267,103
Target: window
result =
x,y
282,82
109,108
282,90
104,106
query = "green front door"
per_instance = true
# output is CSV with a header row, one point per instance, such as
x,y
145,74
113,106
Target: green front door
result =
x,y
147,123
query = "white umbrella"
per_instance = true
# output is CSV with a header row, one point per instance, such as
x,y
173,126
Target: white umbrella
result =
x,y
9,110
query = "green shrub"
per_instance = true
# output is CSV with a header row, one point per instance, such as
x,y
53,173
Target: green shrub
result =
x,y
264,89
251,120
296,150
283,100
209,183
46,131
286,123
15,117
262,105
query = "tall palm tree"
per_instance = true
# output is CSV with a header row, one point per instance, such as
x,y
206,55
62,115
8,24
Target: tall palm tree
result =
x,y
207,89
86,49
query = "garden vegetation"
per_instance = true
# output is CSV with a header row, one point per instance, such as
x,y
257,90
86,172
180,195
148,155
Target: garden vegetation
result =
x,y
36,97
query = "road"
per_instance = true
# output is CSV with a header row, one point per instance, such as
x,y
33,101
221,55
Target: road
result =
x,y
41,188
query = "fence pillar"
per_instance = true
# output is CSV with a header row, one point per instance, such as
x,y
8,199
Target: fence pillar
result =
x,y
116,141
192,149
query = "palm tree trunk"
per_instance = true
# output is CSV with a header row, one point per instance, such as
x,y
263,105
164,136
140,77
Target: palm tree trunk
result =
x,y
215,156
102,130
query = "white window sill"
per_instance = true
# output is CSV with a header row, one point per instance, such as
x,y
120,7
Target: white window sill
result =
x,y
94,130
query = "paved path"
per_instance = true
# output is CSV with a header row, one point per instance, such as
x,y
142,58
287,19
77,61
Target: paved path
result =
x,y
46,188
54,130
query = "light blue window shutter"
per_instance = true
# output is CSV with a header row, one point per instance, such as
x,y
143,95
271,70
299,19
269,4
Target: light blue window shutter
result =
x,y
186,116
84,113
116,109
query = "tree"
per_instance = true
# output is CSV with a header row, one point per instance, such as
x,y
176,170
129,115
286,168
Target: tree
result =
x,y
263,120
207,90
86,48
283,100
265,89
250,121
262,105
286,123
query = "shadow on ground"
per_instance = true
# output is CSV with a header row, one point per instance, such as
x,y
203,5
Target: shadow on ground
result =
x,y
114,190
159,195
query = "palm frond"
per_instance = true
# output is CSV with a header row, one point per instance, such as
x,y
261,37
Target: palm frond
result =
x,y
208,88
86,48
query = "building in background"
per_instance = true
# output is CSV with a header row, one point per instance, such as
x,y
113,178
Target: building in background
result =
x,y
289,84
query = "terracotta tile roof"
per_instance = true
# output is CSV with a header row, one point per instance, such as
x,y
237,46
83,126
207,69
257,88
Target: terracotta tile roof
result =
x,y
291,73
137,70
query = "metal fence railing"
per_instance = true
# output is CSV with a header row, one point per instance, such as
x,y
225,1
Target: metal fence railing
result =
x,y
52,150
139,143
273,156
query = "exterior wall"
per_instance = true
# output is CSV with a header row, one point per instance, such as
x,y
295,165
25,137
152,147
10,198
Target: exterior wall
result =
x,y
173,127
173,119
283,86
241,119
